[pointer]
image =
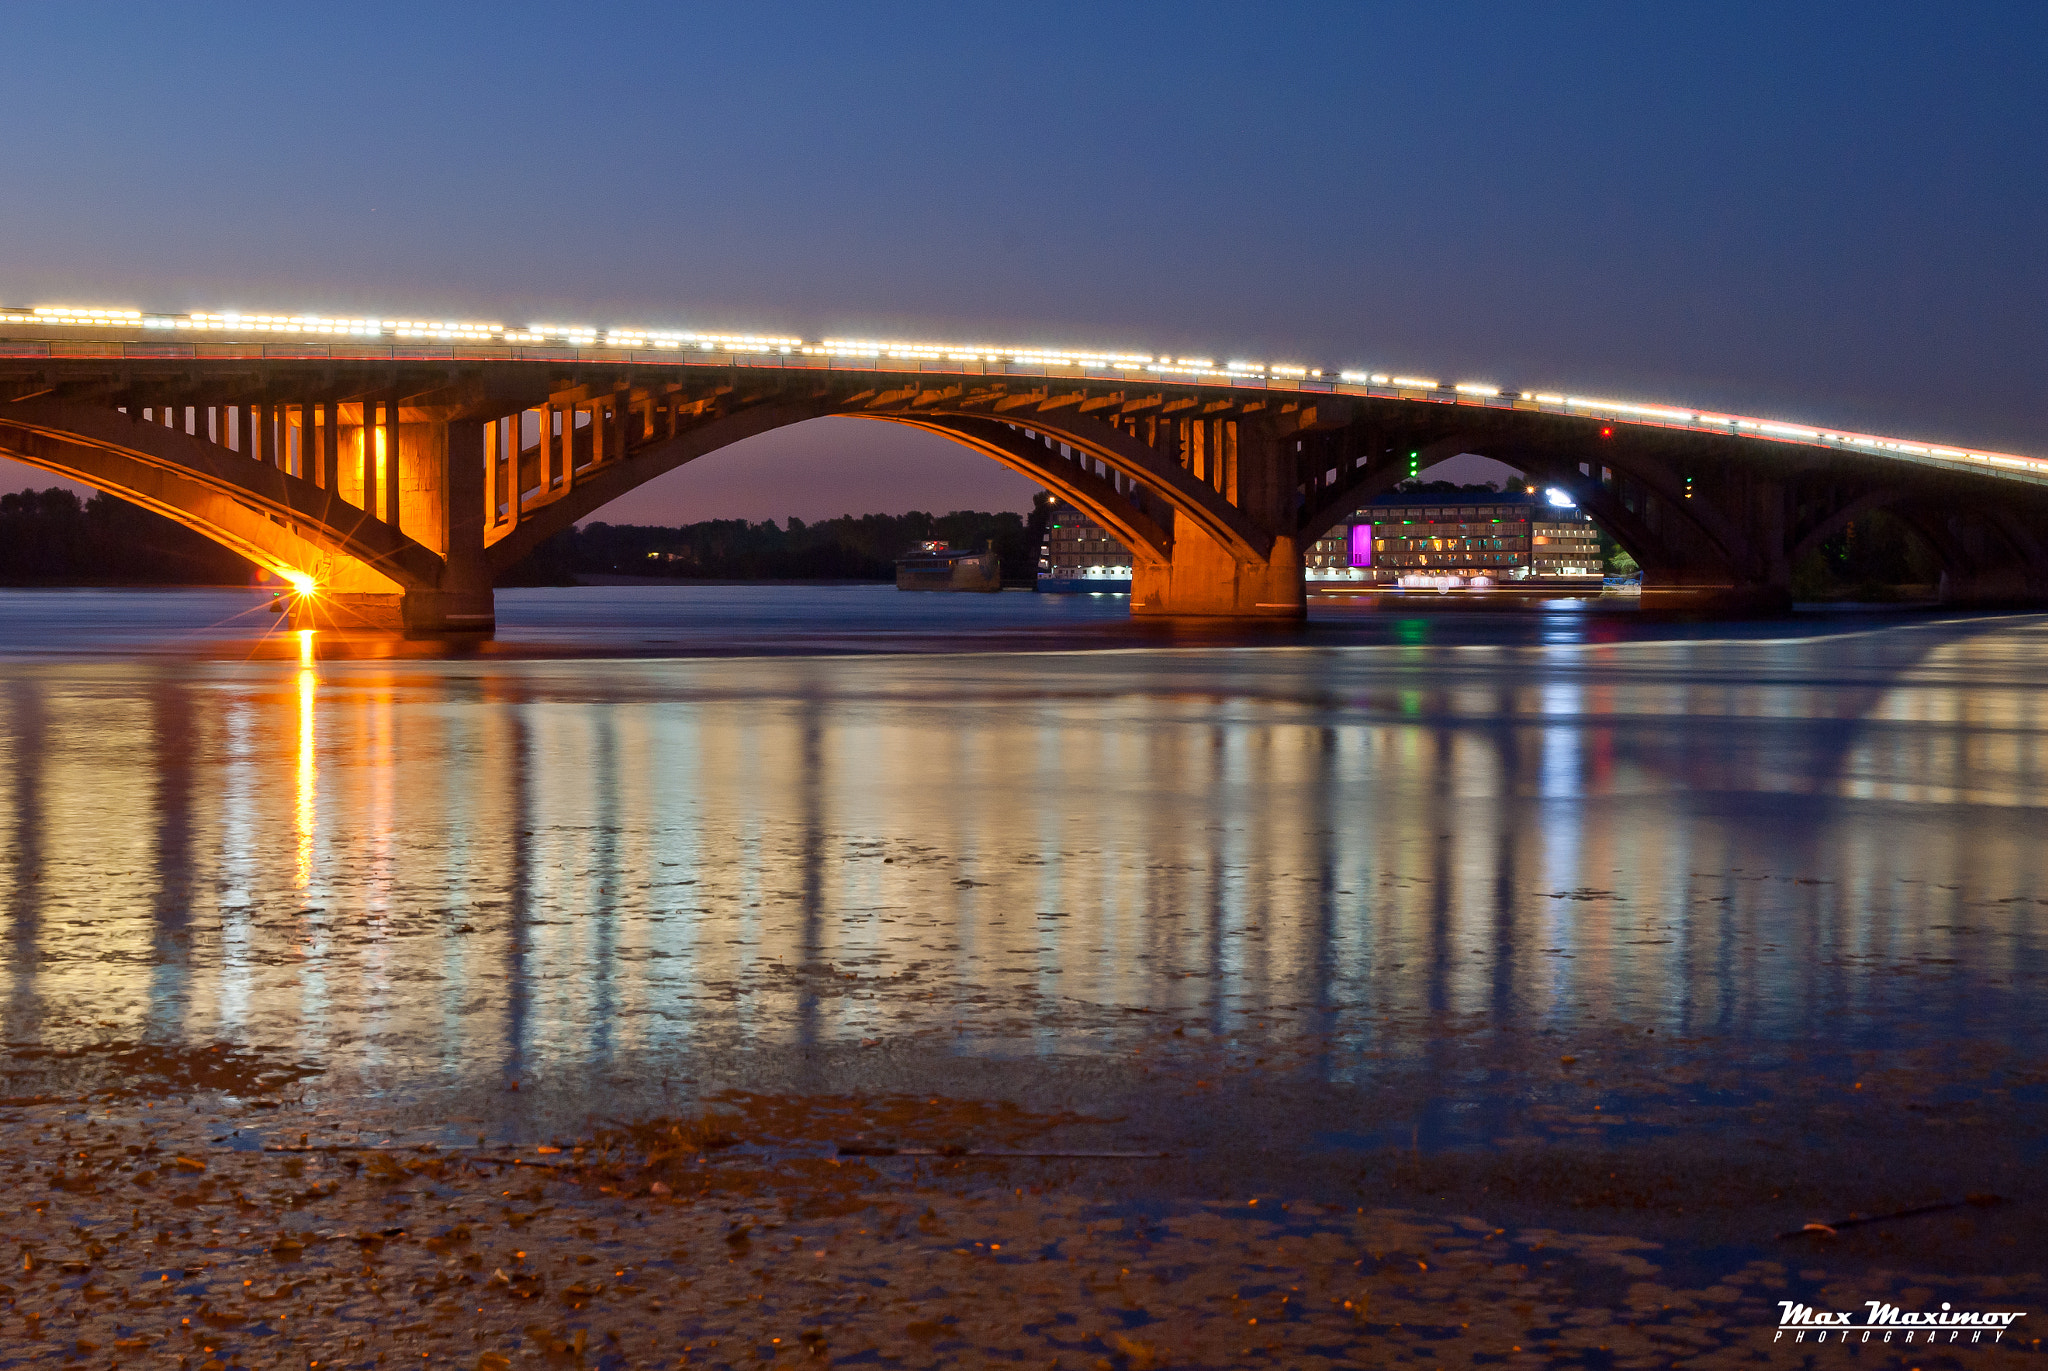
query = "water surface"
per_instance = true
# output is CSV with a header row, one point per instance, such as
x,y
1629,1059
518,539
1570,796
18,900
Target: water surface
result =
x,y
649,842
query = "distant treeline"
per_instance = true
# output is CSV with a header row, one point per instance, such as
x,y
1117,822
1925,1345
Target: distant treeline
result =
x,y
863,548
51,537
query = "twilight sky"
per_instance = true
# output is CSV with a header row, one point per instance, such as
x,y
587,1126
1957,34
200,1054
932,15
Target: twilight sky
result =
x,y
1834,212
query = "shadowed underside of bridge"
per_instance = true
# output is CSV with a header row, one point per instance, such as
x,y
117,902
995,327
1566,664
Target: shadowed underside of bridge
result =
x,y
401,488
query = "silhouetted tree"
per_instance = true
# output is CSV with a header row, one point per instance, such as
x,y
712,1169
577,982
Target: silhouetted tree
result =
x,y
51,537
1875,557
849,548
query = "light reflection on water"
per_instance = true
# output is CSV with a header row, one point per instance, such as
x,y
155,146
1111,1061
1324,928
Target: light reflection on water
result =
x,y
448,868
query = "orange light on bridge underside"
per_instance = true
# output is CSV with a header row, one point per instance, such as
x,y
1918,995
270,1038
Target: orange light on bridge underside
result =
x,y
301,583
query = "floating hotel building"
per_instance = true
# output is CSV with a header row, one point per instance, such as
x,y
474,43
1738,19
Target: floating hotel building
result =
x,y
1464,538
1411,540
1079,556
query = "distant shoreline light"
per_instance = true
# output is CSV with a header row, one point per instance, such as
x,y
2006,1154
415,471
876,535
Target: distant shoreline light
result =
x,y
1197,370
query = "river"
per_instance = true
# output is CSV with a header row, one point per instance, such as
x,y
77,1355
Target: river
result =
x,y
1409,880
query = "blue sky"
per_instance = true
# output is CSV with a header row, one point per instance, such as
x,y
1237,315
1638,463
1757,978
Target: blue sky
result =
x,y
1832,212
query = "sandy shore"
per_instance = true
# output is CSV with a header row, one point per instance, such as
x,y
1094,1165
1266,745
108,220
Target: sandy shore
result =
x,y
154,1228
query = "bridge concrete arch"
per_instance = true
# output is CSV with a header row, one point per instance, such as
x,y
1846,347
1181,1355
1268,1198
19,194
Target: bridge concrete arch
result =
x,y
1115,503
1727,537
1103,499
593,489
1190,542
279,521
1703,555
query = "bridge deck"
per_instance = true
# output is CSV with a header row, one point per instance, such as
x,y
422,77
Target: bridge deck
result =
x,y
52,333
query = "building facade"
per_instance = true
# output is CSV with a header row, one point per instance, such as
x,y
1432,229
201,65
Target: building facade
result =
x,y
1423,540
1462,538
1079,556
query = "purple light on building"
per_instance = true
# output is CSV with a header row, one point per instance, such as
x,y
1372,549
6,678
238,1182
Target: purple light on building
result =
x,y
1361,545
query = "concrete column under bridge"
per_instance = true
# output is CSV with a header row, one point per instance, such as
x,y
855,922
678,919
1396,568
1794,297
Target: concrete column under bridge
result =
x,y
435,493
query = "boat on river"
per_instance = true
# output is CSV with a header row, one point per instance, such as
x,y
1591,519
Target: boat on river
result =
x,y
935,566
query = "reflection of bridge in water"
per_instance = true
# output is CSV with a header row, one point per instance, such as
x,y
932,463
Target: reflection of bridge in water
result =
x,y
398,466
608,861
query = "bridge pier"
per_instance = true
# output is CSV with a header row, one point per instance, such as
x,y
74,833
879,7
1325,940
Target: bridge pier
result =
x,y
367,612
1204,581
415,613
1250,465
444,490
463,602
1991,560
440,613
2007,587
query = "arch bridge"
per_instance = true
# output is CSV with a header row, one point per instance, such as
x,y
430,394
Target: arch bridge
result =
x,y
391,469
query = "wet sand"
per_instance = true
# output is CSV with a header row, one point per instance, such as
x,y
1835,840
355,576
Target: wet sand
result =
x,y
739,1237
